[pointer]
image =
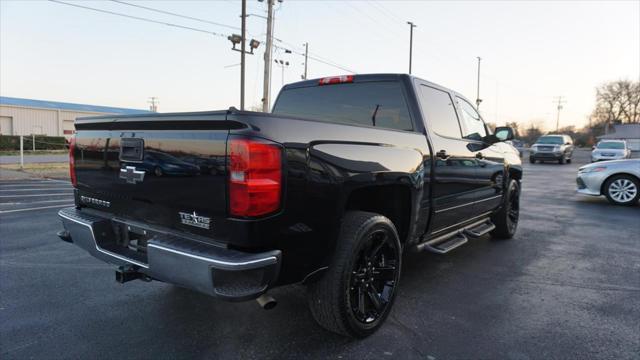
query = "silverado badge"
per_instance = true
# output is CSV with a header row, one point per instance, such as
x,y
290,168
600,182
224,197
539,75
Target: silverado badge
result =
x,y
131,175
195,220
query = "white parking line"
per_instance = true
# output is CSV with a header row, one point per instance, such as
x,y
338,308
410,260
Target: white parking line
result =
x,y
36,202
2,186
59,181
14,196
37,208
18,190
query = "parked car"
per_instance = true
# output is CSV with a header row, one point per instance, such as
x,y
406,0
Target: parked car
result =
x,y
517,144
610,150
552,148
208,165
618,180
329,190
161,163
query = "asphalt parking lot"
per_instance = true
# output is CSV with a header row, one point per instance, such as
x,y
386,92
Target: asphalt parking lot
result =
x,y
568,286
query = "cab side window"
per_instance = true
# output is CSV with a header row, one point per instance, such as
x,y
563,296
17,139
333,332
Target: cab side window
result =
x,y
473,126
439,112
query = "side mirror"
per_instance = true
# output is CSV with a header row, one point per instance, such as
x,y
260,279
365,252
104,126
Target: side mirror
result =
x,y
504,133
567,143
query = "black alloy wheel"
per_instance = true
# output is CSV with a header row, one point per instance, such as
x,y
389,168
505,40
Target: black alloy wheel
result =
x,y
373,278
506,219
513,212
356,293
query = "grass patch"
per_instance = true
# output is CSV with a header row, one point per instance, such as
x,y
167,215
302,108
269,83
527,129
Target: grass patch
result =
x,y
30,152
53,170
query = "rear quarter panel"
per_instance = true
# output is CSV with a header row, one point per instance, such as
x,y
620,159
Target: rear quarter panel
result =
x,y
325,163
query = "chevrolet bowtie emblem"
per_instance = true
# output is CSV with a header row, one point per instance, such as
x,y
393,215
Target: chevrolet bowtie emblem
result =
x,y
131,175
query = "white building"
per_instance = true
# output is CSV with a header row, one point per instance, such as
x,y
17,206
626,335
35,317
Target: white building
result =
x,y
628,132
51,118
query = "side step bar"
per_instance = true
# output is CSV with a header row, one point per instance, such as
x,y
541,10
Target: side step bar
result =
x,y
480,230
447,242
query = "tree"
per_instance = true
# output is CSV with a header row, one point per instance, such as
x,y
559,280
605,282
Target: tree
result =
x,y
514,125
617,101
531,134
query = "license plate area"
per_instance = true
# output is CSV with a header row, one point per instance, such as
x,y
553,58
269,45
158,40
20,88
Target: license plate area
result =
x,y
130,241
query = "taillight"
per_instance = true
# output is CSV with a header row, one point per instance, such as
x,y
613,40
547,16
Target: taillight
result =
x,y
336,80
255,177
72,161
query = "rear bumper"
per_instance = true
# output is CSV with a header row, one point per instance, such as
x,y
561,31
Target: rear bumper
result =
x,y
213,270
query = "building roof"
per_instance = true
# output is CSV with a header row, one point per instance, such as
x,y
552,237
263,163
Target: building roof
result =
x,y
4,100
623,131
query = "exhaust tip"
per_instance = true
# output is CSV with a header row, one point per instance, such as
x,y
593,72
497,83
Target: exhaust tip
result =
x,y
266,302
65,236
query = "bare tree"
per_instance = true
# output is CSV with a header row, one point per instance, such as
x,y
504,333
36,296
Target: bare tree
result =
x,y
514,125
618,101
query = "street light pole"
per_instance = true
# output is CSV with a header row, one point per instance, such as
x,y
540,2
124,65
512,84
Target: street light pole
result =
x,y
242,52
282,64
266,89
411,26
478,100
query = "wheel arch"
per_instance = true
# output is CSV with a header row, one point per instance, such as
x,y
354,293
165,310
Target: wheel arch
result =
x,y
391,201
604,182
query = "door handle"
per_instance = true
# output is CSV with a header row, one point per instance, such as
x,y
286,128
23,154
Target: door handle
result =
x,y
442,154
479,156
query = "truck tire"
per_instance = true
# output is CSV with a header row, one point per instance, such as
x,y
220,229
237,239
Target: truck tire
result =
x,y
506,219
356,293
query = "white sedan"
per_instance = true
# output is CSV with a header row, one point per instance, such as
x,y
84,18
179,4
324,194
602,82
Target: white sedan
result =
x,y
610,150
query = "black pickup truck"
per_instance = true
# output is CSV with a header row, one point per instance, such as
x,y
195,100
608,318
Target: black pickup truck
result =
x,y
328,190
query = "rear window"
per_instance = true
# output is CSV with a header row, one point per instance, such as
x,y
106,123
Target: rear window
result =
x,y
379,104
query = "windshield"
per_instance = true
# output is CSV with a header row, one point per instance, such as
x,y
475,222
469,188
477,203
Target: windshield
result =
x,y
611,145
556,140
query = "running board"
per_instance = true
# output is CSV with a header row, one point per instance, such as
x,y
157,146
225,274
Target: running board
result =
x,y
445,245
480,230
447,242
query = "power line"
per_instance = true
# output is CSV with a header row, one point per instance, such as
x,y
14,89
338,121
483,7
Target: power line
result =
x,y
140,18
318,59
312,56
379,4
178,15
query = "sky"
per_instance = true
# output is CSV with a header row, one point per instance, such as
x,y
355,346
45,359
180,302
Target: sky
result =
x,y
532,52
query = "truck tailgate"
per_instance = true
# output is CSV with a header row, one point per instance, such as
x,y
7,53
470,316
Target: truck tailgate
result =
x,y
163,169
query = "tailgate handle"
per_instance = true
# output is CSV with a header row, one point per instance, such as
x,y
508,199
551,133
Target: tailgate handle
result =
x,y
131,149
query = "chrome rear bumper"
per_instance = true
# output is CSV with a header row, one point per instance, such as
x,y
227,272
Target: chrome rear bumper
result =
x,y
213,270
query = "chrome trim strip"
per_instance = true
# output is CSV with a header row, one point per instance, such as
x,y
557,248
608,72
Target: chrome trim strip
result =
x,y
269,260
467,204
98,247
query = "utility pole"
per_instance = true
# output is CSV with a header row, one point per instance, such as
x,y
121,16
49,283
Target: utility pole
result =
x,y
242,52
560,101
411,26
266,90
306,59
154,104
478,100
